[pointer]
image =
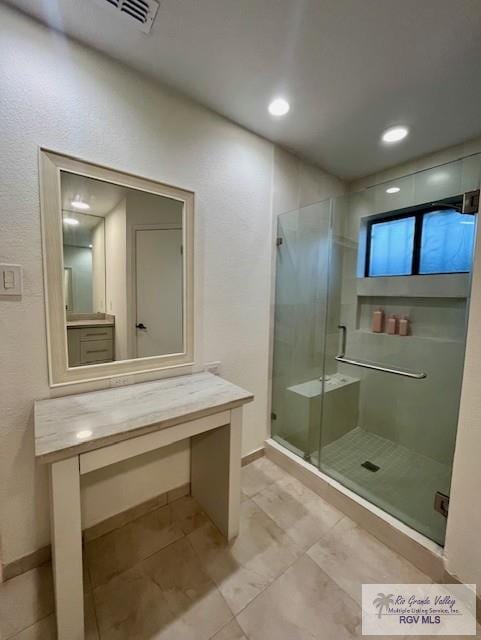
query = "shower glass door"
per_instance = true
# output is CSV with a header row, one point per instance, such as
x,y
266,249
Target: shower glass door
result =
x,y
302,285
399,282
372,294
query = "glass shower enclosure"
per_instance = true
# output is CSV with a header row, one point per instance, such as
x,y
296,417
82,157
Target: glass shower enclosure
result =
x,y
372,293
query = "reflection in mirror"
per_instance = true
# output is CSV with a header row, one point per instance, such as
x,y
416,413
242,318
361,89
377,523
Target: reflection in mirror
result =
x,y
83,263
123,271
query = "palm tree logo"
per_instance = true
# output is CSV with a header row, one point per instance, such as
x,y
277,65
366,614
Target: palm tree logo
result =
x,y
383,601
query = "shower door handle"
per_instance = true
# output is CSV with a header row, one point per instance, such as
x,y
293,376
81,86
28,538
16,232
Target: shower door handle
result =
x,y
343,329
377,367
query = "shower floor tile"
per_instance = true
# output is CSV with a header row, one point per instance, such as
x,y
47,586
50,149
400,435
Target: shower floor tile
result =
x,y
404,485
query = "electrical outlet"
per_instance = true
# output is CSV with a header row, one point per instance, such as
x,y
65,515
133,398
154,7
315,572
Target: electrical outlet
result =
x,y
119,381
213,367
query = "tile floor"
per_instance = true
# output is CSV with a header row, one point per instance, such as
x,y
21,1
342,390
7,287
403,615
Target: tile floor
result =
x,y
403,473
294,573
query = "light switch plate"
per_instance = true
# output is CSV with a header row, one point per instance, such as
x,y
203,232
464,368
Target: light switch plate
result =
x,y
11,280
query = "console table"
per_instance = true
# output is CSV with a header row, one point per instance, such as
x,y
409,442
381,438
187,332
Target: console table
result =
x,y
80,433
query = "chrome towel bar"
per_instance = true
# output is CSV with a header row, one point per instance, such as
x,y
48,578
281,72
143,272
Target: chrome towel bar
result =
x,y
377,367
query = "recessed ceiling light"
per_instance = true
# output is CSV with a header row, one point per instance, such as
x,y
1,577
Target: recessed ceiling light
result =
x,y
71,221
395,134
393,190
90,246
78,204
279,107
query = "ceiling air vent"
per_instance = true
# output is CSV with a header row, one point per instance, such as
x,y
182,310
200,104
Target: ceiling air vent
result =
x,y
138,12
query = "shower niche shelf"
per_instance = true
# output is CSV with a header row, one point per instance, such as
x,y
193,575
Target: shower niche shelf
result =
x,y
392,336
446,285
440,318
411,337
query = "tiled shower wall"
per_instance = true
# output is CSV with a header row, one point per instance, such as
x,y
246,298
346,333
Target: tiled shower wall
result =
x,y
390,406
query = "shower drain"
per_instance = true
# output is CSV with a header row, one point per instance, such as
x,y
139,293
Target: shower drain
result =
x,y
370,466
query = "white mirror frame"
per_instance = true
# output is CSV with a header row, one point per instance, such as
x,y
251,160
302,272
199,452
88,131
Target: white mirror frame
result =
x,y
51,164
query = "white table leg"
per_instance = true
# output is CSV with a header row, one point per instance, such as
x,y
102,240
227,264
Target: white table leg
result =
x,y
215,473
66,533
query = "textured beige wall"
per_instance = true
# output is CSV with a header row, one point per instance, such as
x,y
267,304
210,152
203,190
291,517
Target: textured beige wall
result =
x,y
58,94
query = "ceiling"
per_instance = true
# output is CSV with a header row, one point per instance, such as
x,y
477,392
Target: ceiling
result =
x,y
81,235
101,197
349,68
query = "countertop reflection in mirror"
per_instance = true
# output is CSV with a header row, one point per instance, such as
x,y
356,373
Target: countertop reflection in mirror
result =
x,y
118,275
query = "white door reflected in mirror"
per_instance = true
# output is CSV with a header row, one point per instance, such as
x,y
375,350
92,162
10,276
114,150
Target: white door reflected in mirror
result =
x,y
123,271
158,255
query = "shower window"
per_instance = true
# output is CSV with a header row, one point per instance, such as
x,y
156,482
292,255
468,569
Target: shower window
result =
x,y
447,242
391,247
424,241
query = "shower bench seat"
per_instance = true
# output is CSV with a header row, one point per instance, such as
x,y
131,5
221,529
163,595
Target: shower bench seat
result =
x,y
80,433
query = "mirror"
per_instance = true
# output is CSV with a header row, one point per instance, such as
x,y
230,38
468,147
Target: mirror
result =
x,y
83,263
126,260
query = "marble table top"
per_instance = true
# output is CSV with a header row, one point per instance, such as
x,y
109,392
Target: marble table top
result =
x,y
74,424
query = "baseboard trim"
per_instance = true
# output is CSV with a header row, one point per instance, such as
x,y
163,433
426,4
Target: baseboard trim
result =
x,y
21,565
449,578
424,554
124,517
43,555
254,455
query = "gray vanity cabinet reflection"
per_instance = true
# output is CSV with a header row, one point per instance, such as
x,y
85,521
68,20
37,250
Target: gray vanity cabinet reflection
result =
x,y
90,345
